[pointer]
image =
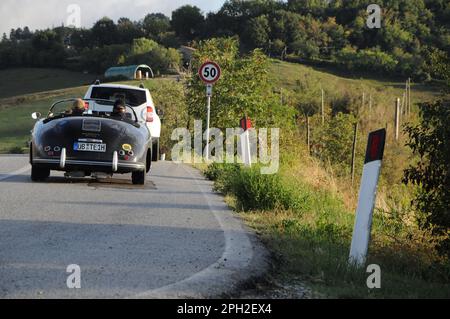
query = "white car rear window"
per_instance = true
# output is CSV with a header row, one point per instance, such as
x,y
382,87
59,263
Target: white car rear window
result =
x,y
130,96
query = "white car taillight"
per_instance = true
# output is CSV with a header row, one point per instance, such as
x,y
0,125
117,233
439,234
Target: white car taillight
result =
x,y
149,114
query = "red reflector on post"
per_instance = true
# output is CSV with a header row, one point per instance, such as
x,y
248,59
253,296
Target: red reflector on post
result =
x,y
246,123
375,146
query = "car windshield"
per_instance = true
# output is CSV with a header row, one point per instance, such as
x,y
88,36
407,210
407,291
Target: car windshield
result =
x,y
130,96
65,108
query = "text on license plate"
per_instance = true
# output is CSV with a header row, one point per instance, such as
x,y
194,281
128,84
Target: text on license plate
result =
x,y
89,147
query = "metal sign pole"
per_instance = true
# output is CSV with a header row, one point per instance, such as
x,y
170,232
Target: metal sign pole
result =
x,y
208,108
209,73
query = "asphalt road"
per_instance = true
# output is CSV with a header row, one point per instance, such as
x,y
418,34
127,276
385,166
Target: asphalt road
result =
x,y
172,237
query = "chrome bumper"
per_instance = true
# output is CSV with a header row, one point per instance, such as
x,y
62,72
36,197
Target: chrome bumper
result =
x,y
68,162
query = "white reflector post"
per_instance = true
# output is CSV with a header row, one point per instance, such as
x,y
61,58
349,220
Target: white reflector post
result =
x,y
367,195
246,124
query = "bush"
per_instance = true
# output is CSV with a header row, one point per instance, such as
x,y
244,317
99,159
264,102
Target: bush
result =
x,y
333,142
367,59
160,59
430,142
256,191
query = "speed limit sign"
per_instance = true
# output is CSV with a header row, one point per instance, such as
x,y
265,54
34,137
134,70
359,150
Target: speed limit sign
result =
x,y
209,72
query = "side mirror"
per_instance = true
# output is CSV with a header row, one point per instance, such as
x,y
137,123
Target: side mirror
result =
x,y
160,112
36,116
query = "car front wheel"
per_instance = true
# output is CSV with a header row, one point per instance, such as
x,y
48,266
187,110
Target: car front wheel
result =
x,y
39,173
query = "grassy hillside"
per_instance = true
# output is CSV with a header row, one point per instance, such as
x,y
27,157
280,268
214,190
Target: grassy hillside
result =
x,y
286,74
14,82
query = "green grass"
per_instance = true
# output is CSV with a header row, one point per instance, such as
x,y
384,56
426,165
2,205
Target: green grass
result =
x,y
309,229
20,81
385,90
16,122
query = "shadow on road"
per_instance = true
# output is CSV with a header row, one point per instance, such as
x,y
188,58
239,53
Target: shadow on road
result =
x,y
116,260
114,183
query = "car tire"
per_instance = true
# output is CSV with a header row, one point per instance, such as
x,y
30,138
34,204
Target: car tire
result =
x,y
155,151
138,177
39,173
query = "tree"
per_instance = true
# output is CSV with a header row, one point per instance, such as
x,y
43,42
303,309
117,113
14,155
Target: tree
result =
x,y
158,57
430,143
128,30
142,45
81,39
98,59
45,40
278,47
257,32
104,32
244,88
155,24
187,21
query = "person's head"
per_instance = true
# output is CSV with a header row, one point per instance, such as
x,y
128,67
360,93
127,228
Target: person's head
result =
x,y
119,107
78,106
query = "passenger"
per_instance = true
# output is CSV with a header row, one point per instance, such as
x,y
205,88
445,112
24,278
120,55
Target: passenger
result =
x,y
77,108
119,109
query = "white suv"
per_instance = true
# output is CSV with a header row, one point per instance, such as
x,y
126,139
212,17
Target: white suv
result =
x,y
139,98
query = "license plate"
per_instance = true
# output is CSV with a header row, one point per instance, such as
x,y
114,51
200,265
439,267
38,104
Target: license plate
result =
x,y
89,147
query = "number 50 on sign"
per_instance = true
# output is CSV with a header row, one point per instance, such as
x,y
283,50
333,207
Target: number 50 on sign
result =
x,y
209,72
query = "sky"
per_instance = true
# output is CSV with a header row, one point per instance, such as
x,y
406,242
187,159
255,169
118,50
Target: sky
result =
x,y
41,14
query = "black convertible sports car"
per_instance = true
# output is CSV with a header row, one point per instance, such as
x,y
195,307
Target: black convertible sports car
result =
x,y
89,143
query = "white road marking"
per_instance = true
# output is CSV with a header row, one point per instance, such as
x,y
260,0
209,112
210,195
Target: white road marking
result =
x,y
228,270
15,173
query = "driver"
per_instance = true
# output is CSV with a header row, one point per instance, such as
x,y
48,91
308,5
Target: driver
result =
x,y
77,108
119,109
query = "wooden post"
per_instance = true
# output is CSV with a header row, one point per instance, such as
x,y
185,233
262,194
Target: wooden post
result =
x,y
406,98
355,136
281,95
403,105
363,100
323,107
370,102
397,118
409,96
308,137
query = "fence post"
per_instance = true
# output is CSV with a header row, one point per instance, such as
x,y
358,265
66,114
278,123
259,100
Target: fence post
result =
x,y
363,100
323,106
308,141
409,96
397,118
